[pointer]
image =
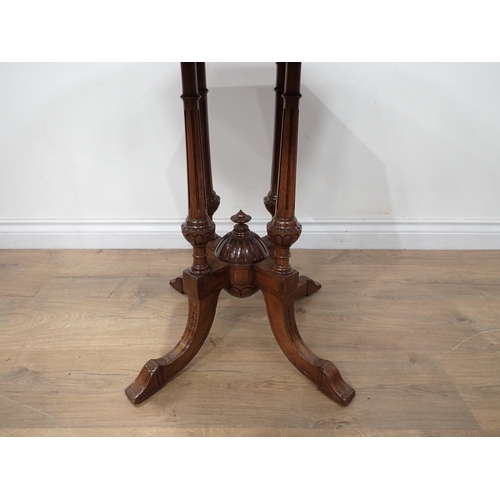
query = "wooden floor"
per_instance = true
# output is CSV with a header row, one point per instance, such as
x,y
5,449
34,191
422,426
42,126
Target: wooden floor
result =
x,y
416,333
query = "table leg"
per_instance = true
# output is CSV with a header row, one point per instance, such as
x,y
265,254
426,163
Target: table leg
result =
x,y
281,285
202,282
284,229
277,279
279,295
203,294
270,199
198,227
307,286
213,200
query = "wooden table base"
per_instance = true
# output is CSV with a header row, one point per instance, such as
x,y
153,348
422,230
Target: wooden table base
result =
x,y
241,262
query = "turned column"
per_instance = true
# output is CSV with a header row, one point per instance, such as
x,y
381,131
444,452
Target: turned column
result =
x,y
198,227
270,199
284,229
213,200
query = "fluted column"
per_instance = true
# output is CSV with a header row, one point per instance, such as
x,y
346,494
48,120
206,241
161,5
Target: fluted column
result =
x,y
270,199
284,229
213,200
198,227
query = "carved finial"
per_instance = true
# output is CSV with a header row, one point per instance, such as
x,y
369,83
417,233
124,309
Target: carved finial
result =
x,y
241,218
241,248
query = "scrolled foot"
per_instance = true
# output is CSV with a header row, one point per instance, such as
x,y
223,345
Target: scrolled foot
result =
x,y
148,382
203,293
307,286
280,295
333,385
176,283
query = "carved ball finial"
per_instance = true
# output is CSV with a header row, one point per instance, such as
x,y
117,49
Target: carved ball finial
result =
x,y
241,248
241,218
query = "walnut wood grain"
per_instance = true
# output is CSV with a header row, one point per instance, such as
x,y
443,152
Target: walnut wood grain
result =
x,y
270,199
198,227
284,229
241,261
212,199
203,293
279,294
241,248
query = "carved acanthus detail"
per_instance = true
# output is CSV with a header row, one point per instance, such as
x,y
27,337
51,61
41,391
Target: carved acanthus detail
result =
x,y
270,202
213,202
198,231
284,232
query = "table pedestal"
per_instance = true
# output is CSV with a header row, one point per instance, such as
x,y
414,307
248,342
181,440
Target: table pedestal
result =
x,y
241,262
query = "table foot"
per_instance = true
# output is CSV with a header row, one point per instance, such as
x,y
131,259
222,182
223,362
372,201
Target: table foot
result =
x,y
279,295
333,385
176,283
307,286
203,294
324,373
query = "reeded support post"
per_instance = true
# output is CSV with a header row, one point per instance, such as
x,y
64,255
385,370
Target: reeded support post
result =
x,y
198,227
270,199
213,200
284,229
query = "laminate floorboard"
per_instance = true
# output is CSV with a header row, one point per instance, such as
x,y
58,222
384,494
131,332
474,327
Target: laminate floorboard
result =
x,y
416,333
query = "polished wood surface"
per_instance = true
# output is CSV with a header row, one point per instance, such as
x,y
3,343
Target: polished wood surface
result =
x,y
270,198
241,262
212,198
198,227
416,333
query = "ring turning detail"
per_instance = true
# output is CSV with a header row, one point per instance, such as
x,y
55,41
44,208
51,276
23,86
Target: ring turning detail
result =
x,y
241,262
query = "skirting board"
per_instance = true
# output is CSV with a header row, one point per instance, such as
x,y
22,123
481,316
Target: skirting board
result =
x,y
327,234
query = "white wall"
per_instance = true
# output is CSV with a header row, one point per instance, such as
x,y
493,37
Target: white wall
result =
x,y
391,155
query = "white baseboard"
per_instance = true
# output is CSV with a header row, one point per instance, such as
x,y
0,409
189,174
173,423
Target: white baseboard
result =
x,y
330,234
